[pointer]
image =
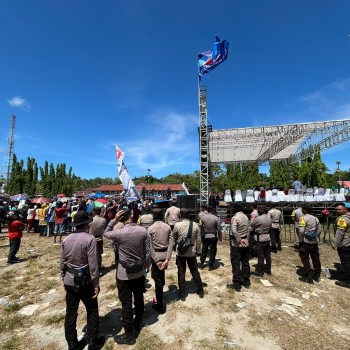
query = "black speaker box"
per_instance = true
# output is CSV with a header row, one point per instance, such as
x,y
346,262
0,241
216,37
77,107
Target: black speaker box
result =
x,y
189,201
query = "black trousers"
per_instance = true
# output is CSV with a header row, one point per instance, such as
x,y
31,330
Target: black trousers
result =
x,y
159,282
344,255
307,250
181,263
263,250
14,248
211,245
240,264
99,251
126,290
73,297
275,238
252,251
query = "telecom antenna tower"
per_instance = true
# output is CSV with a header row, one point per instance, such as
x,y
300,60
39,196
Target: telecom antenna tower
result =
x,y
10,148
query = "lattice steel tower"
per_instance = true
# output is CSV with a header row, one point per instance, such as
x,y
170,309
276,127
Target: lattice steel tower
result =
x,y
10,147
204,130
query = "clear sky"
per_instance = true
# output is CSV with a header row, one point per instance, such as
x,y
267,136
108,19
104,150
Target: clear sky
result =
x,y
82,76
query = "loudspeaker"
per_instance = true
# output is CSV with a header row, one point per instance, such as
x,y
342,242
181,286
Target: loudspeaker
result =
x,y
189,201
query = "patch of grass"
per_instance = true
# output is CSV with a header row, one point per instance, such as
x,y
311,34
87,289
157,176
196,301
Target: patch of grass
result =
x,y
172,278
54,320
51,346
148,340
221,332
111,286
187,332
8,276
12,322
12,343
49,284
109,345
13,307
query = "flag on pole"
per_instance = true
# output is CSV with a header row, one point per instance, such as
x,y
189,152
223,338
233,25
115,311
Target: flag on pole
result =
x,y
208,60
128,185
185,188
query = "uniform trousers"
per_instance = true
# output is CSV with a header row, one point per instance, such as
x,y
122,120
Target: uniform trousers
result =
x,y
275,239
14,248
126,290
211,245
307,250
99,245
263,251
344,256
73,297
181,262
240,264
159,282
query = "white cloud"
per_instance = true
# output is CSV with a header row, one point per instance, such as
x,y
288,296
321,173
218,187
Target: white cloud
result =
x,y
19,102
330,101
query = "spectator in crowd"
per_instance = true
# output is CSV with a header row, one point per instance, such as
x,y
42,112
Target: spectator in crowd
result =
x,y
172,215
15,229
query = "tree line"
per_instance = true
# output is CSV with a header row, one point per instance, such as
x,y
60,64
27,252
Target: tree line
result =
x,y
51,179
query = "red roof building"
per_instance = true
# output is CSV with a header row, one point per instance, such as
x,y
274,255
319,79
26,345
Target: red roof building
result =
x,y
149,188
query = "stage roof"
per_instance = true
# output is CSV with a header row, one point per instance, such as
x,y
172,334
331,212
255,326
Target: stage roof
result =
x,y
291,142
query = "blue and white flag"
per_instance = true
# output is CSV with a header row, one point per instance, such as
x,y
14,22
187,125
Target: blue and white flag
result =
x,y
208,60
131,193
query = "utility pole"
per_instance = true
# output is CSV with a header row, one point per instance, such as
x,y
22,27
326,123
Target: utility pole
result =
x,y
148,181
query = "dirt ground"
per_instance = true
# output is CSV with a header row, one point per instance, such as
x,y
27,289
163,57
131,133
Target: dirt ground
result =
x,y
289,314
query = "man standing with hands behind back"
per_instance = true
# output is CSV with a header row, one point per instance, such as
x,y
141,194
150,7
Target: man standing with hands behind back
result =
x,y
161,244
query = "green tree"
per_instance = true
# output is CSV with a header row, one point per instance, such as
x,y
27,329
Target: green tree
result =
x,y
280,173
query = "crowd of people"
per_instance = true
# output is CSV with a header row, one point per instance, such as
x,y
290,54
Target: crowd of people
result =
x,y
144,237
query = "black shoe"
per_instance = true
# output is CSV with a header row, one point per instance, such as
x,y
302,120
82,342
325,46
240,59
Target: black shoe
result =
x,y
246,284
306,279
234,286
268,271
182,297
279,248
159,308
211,268
257,273
127,339
200,293
345,284
317,278
201,266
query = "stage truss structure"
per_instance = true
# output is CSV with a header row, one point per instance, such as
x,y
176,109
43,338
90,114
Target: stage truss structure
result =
x,y
290,142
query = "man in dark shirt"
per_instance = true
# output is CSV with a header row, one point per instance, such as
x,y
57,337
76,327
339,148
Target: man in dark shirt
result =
x,y
80,275
134,258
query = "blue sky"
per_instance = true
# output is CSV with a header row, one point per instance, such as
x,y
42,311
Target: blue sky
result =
x,y
82,76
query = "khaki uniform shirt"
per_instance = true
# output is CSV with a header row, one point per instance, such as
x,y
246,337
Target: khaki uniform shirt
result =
x,y
308,223
78,251
172,215
97,226
161,241
276,218
133,244
201,213
296,215
210,226
180,231
146,220
239,229
342,234
261,227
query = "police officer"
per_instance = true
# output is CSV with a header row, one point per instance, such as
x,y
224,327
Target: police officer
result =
x,y
161,245
309,231
172,215
181,231
211,232
261,229
254,214
134,258
276,218
146,218
239,249
96,229
341,242
80,275
296,215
